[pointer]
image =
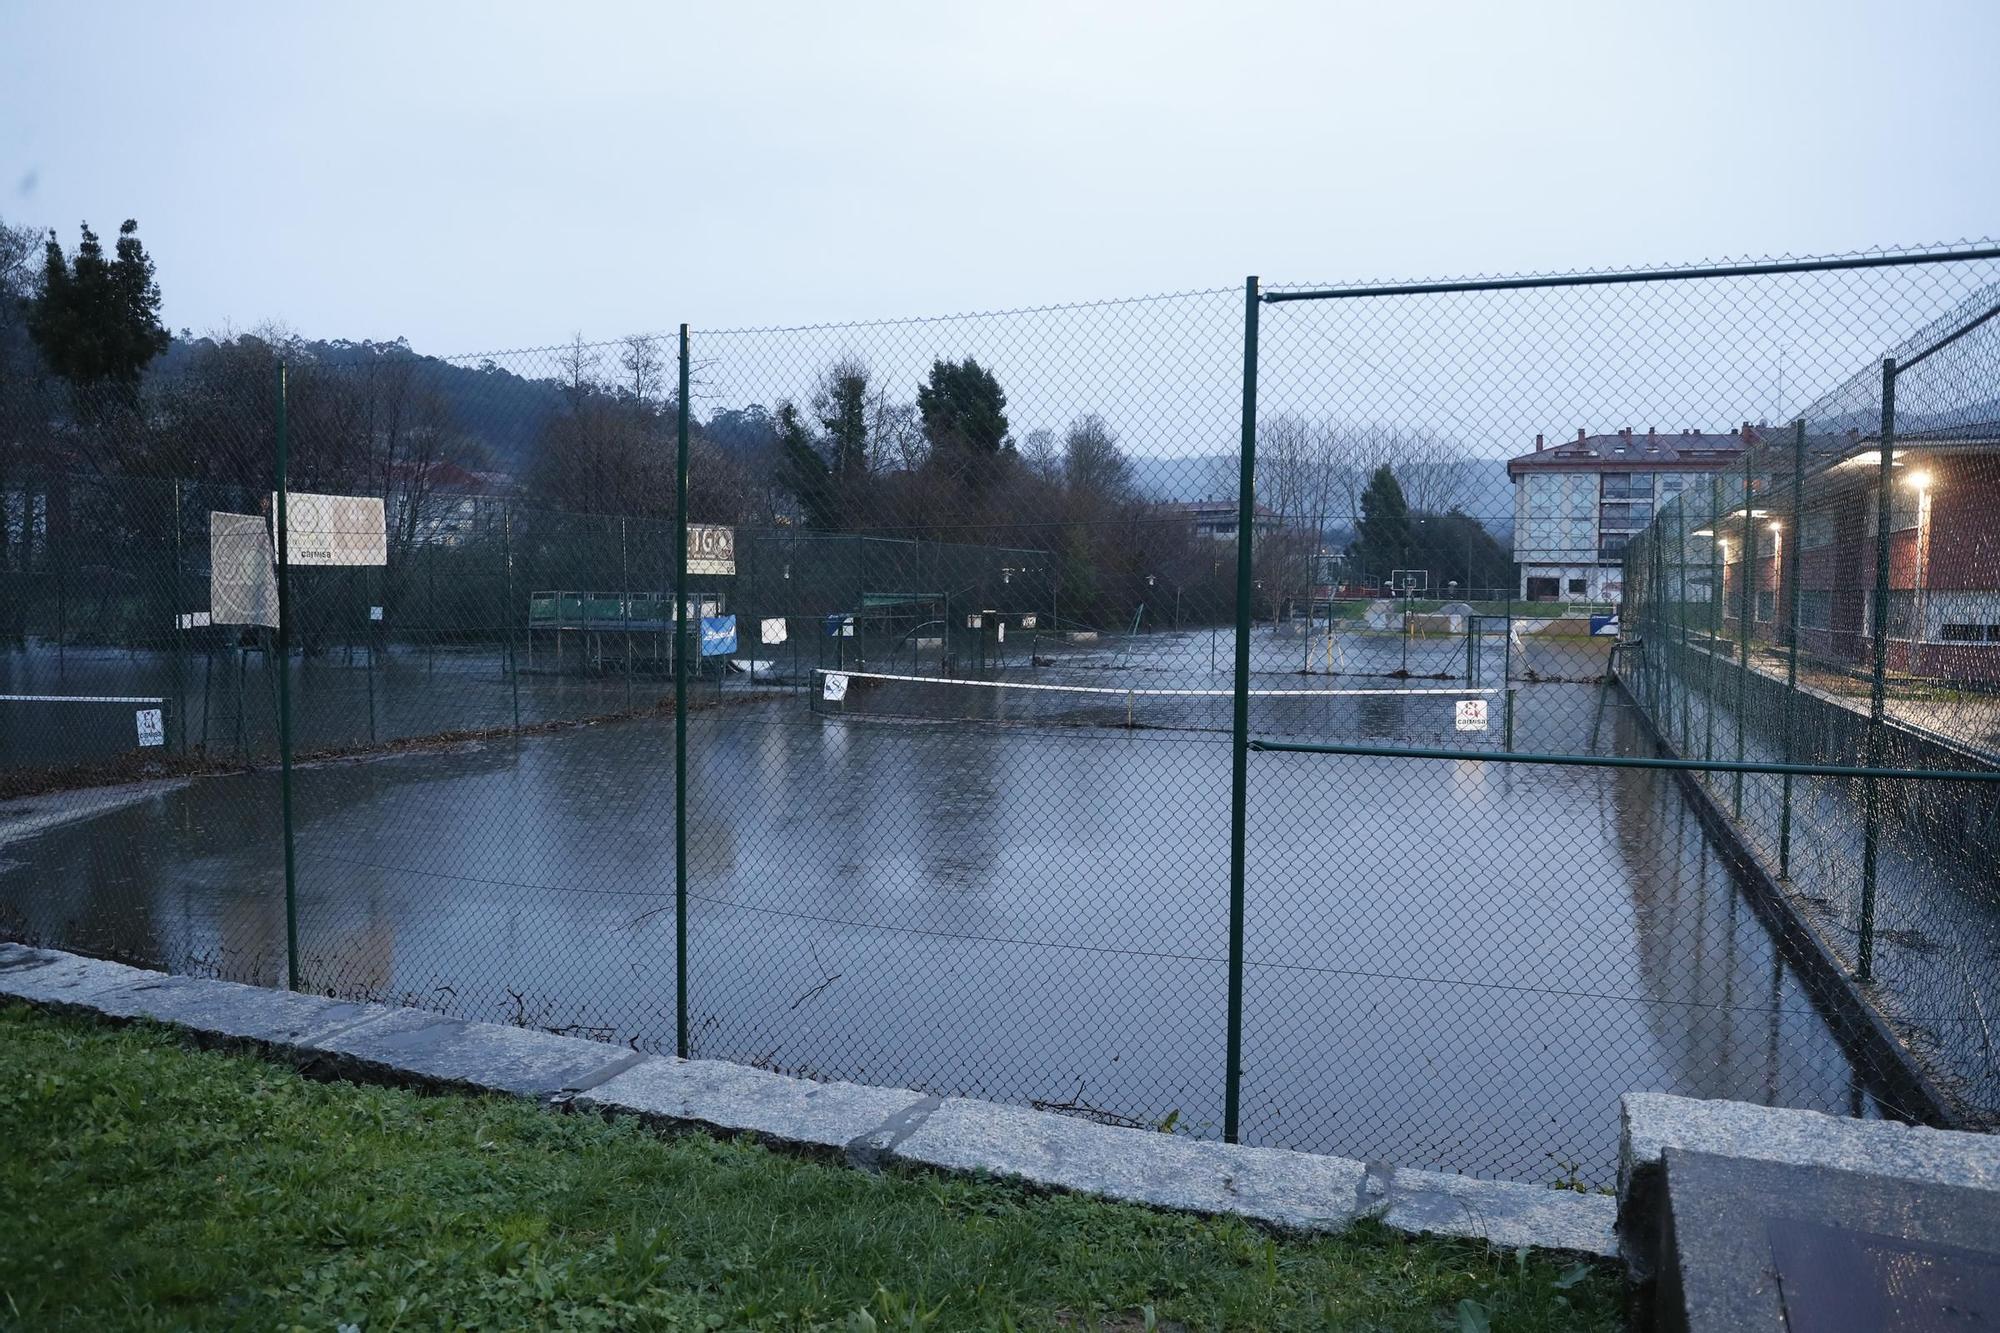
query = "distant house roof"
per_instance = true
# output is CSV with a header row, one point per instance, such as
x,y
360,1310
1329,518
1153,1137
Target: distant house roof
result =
x,y
1629,451
1213,509
446,477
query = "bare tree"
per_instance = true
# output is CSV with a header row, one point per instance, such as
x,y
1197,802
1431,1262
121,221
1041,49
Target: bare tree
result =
x,y
1040,455
578,362
645,365
896,440
1092,463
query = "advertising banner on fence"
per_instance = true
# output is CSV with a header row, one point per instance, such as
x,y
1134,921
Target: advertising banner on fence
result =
x,y
711,549
718,635
242,582
333,529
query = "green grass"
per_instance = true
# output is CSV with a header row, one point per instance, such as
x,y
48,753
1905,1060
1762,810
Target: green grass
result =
x,y
149,1184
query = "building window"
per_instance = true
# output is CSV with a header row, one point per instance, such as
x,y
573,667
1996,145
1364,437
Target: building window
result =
x,y
1901,609
1816,609
1767,605
1576,587
1818,531
1903,506
1611,545
1962,616
1767,543
1628,486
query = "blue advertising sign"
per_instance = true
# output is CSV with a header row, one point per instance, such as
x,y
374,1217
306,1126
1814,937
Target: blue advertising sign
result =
x,y
718,635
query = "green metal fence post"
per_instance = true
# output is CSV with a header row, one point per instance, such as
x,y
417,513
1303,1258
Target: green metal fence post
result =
x,y
1715,595
1653,635
1682,658
285,699
1793,566
507,611
177,634
1878,618
625,607
1745,608
1239,750
680,705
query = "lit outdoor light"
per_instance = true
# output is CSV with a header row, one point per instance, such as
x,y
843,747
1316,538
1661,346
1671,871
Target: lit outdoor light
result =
x,y
1919,479
1702,532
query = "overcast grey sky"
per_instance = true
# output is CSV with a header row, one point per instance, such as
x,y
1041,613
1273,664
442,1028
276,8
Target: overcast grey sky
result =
x,y
494,175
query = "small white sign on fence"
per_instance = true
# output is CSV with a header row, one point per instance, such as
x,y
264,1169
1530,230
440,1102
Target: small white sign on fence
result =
x,y
374,613
152,730
836,687
772,630
1471,715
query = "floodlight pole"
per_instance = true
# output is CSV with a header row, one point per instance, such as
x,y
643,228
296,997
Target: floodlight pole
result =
x,y
1239,749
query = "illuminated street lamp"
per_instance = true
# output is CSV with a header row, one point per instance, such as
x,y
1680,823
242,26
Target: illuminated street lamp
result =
x,y
1920,480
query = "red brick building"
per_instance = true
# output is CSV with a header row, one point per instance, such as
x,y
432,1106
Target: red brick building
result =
x,y
1943,606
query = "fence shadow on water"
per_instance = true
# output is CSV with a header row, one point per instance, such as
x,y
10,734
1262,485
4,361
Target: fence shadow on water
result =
x,y
1461,798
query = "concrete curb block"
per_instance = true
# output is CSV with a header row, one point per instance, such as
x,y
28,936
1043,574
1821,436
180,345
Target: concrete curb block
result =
x,y
1653,1122
871,1126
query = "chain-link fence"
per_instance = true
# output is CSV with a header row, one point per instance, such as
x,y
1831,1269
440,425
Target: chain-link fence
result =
x,y
1832,600
1479,786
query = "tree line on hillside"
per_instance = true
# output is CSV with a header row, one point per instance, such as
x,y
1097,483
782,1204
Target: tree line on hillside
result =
x,y
92,384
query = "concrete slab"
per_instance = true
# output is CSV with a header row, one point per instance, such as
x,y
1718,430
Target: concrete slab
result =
x,y
1503,1213
739,1100
1288,1189
282,1020
1758,1244
50,977
871,1125
1655,1122
411,1045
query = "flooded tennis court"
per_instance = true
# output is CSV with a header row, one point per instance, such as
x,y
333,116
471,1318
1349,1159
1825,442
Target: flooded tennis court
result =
x,y
1453,964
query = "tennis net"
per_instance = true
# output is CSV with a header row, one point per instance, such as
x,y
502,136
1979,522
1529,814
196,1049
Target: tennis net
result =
x,y
1403,710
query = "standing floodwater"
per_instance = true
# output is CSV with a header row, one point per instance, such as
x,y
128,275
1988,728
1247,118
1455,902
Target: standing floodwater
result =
x,y
1449,963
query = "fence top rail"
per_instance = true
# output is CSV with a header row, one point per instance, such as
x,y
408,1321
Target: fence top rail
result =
x,y
1627,761
1623,276
962,316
